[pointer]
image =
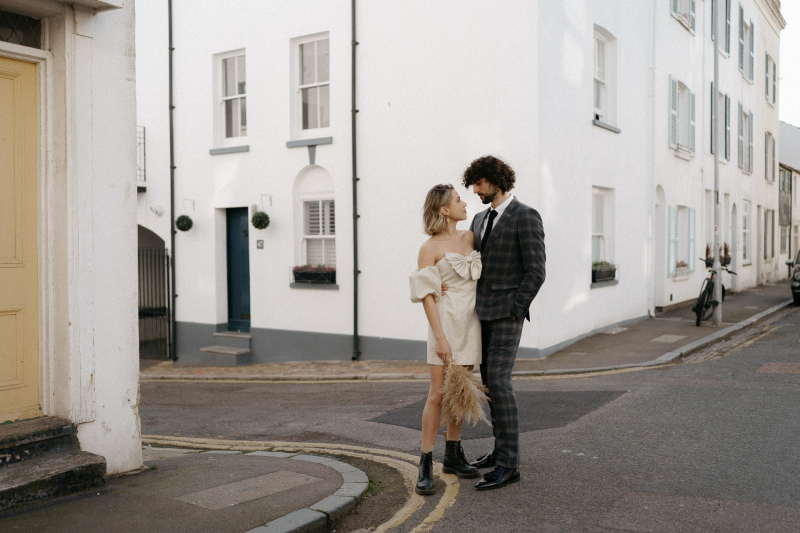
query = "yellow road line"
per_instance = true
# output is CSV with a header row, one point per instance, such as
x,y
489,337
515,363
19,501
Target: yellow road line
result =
x,y
402,462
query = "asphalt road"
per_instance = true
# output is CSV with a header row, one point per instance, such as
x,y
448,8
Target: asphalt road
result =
x,y
710,445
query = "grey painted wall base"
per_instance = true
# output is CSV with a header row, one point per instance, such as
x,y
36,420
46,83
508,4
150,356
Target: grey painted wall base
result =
x,y
544,352
279,345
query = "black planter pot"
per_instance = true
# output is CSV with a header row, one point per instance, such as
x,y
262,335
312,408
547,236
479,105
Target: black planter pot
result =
x,y
314,277
603,274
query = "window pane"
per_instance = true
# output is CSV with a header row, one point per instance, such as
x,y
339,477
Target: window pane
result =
x,y
599,95
597,248
324,107
307,63
240,74
310,118
600,59
322,61
598,214
229,76
232,118
243,117
330,252
313,218
314,252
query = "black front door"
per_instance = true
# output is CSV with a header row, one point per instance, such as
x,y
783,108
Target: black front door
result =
x,y
238,271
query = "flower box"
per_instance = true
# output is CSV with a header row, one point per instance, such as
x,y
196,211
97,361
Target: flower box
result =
x,y
603,273
313,275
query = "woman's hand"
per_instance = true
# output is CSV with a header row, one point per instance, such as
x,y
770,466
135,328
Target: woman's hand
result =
x,y
443,350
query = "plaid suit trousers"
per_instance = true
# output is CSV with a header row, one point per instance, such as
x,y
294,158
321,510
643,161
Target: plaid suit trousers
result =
x,y
500,341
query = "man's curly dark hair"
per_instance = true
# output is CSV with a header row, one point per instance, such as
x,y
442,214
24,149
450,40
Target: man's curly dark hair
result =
x,y
494,170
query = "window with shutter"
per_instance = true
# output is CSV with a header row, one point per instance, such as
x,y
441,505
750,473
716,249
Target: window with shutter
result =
x,y
713,118
774,81
685,11
691,121
746,232
741,39
750,122
727,127
752,65
766,155
728,27
672,240
319,233
766,76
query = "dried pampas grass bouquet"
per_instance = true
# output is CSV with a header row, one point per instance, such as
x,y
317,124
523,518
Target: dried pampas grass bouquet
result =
x,y
463,396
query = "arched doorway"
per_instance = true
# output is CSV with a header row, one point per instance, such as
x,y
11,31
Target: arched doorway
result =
x,y
155,326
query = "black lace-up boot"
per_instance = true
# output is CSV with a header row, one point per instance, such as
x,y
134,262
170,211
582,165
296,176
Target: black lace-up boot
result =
x,y
425,480
455,462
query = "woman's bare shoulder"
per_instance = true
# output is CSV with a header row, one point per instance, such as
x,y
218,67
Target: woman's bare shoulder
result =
x,y
427,253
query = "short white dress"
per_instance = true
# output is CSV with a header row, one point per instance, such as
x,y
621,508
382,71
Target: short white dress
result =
x,y
456,308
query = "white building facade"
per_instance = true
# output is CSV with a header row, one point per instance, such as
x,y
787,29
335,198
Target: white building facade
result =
x,y
789,175
602,109
68,343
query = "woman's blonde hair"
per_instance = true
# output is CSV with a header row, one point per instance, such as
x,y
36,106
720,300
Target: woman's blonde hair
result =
x,y
432,218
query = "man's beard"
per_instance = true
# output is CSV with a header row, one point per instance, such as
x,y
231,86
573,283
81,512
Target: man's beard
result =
x,y
488,197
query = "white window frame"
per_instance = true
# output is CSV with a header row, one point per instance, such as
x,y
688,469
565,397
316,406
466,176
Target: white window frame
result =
x,y
681,239
724,24
770,79
604,234
769,234
296,101
745,140
723,104
746,233
327,231
141,155
685,12
682,109
784,240
605,78
220,124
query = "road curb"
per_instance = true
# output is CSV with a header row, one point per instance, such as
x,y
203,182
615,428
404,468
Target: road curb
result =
x,y
668,357
318,516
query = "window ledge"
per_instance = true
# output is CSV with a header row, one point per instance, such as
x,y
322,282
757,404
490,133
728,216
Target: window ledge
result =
x,y
309,142
608,127
682,276
607,283
683,154
322,286
229,150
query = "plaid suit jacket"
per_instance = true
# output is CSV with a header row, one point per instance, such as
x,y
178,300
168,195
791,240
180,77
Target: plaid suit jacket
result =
x,y
513,262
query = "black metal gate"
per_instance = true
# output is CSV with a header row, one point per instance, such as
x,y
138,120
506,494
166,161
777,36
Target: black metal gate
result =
x,y
155,326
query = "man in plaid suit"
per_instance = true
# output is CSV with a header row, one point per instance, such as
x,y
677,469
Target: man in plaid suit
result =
x,y
510,237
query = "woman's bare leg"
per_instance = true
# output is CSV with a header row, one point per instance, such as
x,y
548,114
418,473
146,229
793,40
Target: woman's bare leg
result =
x,y
454,428
433,409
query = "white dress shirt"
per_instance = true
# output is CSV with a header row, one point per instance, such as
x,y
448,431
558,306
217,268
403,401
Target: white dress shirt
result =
x,y
500,209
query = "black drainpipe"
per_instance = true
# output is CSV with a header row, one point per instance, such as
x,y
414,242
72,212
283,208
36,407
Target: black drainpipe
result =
x,y
353,111
173,349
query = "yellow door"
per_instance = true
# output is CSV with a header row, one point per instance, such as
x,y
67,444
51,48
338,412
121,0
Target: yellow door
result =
x,y
19,295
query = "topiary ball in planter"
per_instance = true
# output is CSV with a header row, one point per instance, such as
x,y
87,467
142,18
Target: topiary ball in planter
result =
x,y
184,223
260,220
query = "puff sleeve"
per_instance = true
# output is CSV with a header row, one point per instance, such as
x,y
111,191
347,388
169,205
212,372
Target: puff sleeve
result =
x,y
424,282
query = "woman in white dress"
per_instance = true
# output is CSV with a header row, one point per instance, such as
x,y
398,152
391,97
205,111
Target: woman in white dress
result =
x,y
447,258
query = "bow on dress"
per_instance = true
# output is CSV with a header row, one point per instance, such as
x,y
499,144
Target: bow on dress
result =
x,y
466,266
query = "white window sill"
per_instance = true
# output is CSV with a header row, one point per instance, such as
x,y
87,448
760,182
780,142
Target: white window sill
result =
x,y
607,283
683,153
309,142
608,127
320,286
685,22
682,275
316,133
229,149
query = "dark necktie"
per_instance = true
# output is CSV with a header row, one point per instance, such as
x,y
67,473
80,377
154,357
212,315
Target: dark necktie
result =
x,y
492,215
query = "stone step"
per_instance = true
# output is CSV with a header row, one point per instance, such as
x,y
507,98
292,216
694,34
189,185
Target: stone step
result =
x,y
49,476
224,356
30,438
233,338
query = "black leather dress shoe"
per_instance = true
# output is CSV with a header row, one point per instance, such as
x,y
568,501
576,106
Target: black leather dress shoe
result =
x,y
487,461
499,477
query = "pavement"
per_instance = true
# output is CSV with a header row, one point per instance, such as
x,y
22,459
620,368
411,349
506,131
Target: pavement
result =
x,y
196,485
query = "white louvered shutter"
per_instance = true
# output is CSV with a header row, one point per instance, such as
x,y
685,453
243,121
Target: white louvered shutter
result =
x,y
675,9
728,26
672,240
727,127
752,51
691,120
673,113
750,139
766,75
714,112
692,14
692,258
741,39
774,161
741,136
766,156
774,81
714,18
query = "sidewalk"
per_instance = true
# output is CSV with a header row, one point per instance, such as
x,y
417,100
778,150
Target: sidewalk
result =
x,y
186,490
660,340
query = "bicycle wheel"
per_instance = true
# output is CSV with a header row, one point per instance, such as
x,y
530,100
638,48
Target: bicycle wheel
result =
x,y
700,306
708,310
